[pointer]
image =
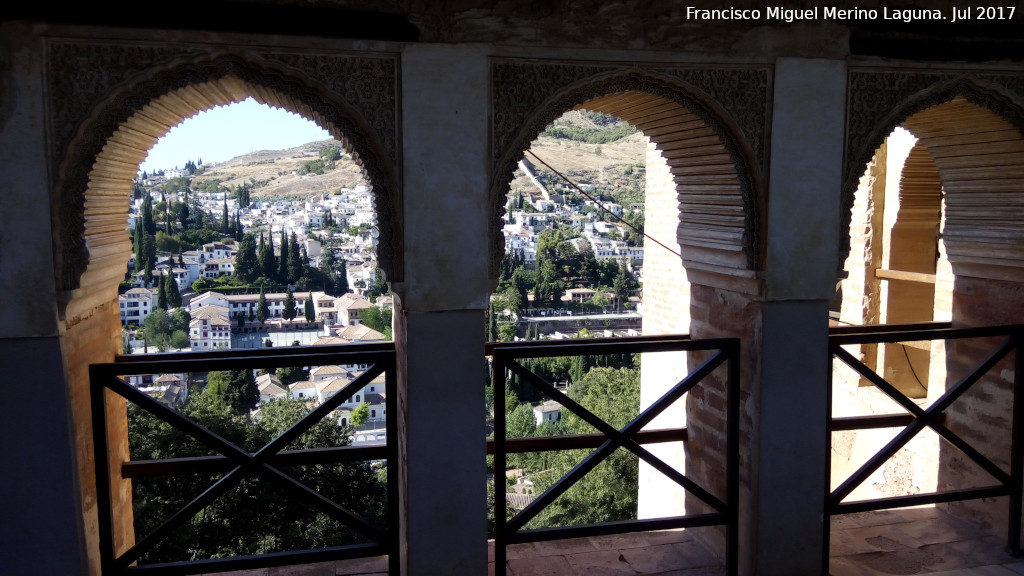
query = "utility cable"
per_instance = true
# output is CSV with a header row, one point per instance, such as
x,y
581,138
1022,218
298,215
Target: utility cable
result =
x,y
601,206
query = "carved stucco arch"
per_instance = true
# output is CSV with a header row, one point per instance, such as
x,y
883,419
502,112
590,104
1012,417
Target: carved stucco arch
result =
x,y
96,168
588,93
919,95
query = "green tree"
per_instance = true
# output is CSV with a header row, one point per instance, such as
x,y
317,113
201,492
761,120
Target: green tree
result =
x,y
137,245
378,318
179,320
234,389
201,284
161,294
624,285
179,339
265,256
379,287
262,310
310,311
173,294
294,260
148,223
255,518
246,262
361,414
607,493
341,284
282,270
289,311
291,374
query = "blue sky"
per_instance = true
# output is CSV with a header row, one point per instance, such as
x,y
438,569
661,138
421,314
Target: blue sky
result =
x,y
227,131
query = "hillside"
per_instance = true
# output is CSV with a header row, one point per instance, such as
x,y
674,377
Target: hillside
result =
x,y
606,165
276,172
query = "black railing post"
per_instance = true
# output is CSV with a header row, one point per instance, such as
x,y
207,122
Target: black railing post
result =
x,y
1016,458
104,510
500,503
732,422
826,524
393,466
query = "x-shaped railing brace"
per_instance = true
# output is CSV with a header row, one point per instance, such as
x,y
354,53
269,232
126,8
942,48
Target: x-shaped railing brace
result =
x,y
246,463
616,438
930,418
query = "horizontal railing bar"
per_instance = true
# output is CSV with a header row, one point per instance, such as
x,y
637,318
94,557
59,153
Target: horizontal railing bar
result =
x,y
490,347
181,363
875,328
599,346
361,348
894,334
202,464
878,421
620,527
270,560
919,499
575,441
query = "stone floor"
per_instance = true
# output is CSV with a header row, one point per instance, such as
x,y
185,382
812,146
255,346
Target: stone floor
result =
x,y
899,542
916,541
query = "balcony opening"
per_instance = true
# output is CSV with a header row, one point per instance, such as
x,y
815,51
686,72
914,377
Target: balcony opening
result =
x,y
932,222
91,333
694,213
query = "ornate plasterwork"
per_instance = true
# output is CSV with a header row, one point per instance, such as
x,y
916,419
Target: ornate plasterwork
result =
x,y
527,96
94,88
880,100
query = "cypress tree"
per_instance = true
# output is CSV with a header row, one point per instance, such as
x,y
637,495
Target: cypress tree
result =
x,y
246,263
294,260
161,295
310,311
148,224
282,271
173,294
289,311
265,257
137,244
262,310
342,283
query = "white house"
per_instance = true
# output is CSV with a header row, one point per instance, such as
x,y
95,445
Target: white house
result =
x,y
136,304
210,328
548,412
270,388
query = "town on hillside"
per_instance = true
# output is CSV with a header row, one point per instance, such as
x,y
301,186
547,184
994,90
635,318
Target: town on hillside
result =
x,y
225,261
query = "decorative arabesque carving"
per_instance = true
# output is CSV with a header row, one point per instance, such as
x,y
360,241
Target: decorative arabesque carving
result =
x,y
530,95
880,100
93,89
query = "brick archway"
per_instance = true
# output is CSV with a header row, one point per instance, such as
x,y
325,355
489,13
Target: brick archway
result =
x,y
969,147
945,112
108,105
95,169
716,166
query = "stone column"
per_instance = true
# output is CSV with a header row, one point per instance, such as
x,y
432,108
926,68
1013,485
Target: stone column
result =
x,y
790,445
42,526
439,324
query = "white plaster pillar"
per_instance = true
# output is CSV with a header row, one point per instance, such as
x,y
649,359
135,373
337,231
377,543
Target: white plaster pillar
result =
x,y
41,530
800,278
439,324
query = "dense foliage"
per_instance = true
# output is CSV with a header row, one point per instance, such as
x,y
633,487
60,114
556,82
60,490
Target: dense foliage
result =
x,y
609,491
256,516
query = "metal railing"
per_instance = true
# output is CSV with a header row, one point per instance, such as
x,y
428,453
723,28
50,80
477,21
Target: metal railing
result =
x,y
237,463
917,419
506,356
